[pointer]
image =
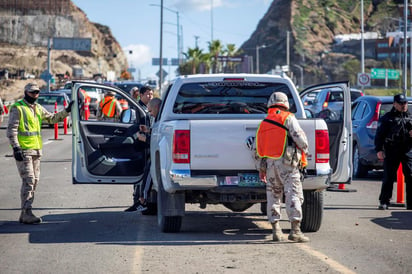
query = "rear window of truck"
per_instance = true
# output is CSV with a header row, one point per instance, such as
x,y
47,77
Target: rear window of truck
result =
x,y
228,97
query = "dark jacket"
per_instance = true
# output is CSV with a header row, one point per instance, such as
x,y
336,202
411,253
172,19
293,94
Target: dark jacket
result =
x,y
392,134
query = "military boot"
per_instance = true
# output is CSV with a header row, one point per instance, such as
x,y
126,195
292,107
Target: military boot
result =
x,y
277,232
27,217
296,235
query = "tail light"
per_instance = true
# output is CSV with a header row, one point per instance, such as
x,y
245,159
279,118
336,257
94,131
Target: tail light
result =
x,y
322,146
325,104
181,147
373,123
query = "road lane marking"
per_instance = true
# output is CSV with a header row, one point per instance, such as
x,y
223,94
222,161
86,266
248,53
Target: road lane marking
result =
x,y
322,257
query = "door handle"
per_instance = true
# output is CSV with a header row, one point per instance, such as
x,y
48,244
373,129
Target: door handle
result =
x,y
118,131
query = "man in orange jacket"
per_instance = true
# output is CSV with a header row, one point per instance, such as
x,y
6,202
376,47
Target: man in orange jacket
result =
x,y
109,108
280,143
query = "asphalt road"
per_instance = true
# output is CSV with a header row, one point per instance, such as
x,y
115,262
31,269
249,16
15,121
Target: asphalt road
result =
x,y
85,230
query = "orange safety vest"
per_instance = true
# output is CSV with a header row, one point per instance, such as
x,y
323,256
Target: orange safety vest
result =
x,y
271,136
124,104
86,98
108,106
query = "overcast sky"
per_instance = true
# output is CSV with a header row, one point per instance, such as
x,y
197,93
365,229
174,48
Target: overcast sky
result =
x,y
136,25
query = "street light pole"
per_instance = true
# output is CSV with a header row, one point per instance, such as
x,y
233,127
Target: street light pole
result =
x,y
257,57
179,43
301,75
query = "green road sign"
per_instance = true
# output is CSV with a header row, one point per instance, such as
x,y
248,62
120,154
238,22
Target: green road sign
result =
x,y
377,73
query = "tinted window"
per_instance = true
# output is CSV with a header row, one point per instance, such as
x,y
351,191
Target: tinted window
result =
x,y
385,108
236,97
359,111
354,95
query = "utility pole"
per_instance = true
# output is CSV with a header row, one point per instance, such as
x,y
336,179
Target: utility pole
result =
x,y
287,49
405,45
196,39
211,20
362,42
161,48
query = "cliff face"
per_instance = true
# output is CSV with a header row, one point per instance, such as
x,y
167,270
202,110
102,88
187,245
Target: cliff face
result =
x,y
25,27
311,26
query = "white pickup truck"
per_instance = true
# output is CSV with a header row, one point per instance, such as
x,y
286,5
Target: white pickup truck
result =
x,y
199,148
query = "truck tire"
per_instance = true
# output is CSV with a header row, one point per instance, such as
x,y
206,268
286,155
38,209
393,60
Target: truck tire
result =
x,y
237,207
359,169
312,210
166,223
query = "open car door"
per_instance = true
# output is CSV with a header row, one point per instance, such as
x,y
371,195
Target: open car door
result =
x,y
337,115
106,150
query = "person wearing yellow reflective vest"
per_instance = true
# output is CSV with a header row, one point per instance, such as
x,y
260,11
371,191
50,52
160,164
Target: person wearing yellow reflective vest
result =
x,y
280,144
24,134
109,108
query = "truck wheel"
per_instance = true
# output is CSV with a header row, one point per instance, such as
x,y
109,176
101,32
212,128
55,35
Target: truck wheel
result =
x,y
312,211
166,223
359,170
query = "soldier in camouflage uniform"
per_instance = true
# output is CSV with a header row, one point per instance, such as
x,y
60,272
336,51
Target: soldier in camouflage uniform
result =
x,y
24,133
280,143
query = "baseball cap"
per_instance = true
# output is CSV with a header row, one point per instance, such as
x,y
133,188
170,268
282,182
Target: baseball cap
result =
x,y
31,87
399,98
278,98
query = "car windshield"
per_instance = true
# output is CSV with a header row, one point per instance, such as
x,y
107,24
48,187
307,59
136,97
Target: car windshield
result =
x,y
128,86
50,99
229,97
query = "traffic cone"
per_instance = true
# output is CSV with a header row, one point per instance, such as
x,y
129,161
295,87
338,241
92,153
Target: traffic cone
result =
x,y
56,125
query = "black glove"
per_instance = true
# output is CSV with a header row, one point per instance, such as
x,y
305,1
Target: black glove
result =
x,y
69,107
18,154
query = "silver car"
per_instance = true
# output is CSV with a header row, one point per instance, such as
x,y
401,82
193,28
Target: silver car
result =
x,y
48,101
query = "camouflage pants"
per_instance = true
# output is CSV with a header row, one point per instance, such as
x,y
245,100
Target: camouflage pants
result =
x,y
29,170
283,179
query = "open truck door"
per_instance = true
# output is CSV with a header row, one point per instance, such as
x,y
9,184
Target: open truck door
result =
x,y
337,115
107,151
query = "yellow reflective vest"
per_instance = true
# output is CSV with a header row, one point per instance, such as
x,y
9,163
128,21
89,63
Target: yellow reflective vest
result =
x,y
29,130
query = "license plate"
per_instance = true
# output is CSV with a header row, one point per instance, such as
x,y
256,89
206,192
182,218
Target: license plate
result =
x,y
250,179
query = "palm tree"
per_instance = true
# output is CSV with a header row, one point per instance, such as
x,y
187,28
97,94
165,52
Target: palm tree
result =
x,y
215,49
194,57
231,51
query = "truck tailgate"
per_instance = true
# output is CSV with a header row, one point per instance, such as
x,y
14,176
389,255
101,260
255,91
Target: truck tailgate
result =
x,y
221,144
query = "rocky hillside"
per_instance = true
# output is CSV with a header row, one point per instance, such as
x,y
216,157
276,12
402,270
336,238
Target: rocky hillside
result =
x,y
25,27
312,26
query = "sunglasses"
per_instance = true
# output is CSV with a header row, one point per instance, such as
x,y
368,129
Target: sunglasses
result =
x,y
35,91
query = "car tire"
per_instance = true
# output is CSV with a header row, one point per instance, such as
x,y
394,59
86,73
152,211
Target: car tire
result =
x,y
359,169
312,210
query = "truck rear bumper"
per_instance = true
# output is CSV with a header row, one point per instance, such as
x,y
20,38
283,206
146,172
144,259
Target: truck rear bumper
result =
x,y
179,180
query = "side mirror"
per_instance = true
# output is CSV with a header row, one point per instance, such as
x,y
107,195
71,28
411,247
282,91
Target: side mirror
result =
x,y
128,116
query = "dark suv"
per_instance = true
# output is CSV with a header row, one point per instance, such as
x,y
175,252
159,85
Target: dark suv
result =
x,y
366,112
